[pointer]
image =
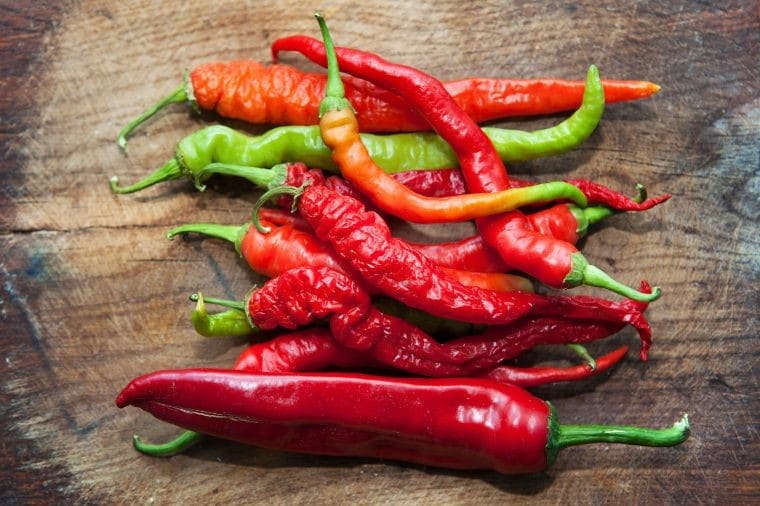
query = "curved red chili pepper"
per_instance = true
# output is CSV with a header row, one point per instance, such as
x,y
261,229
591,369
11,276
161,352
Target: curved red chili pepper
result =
x,y
286,247
554,262
527,377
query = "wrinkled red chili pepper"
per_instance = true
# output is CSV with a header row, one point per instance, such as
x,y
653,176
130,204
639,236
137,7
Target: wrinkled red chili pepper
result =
x,y
286,247
461,423
556,263
301,296
363,240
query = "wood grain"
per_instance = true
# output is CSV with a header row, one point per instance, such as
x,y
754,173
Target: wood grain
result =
x,y
92,295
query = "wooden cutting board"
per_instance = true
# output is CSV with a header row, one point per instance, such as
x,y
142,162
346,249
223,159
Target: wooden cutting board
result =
x,y
93,295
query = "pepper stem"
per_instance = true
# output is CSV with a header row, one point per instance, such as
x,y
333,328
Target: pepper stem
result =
x,y
595,214
583,353
230,233
230,323
268,195
176,96
584,273
572,435
263,178
232,304
335,95
170,171
585,217
173,447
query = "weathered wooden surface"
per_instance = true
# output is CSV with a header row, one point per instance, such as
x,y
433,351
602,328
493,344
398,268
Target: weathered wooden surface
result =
x,y
92,295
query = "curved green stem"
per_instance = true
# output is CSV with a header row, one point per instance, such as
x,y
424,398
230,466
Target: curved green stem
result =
x,y
230,323
279,191
595,214
584,273
585,217
176,96
170,171
230,233
173,447
572,435
263,178
582,352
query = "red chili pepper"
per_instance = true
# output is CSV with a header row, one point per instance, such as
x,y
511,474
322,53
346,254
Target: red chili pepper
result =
x,y
445,182
527,377
301,296
278,94
316,349
457,423
556,263
287,247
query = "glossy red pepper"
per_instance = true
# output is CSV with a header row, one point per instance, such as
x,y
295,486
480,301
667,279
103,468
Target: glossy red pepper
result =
x,y
315,349
460,423
556,263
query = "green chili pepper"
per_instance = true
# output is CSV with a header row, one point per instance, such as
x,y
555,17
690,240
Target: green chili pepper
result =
x,y
234,152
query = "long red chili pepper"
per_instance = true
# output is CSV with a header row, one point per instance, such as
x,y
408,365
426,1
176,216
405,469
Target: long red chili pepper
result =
x,y
456,423
315,349
301,296
554,262
286,247
289,301
278,94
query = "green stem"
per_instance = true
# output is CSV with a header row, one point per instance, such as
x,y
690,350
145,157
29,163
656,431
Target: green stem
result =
x,y
584,273
582,352
335,95
178,95
230,233
585,217
268,195
170,171
595,214
230,323
232,304
572,435
263,178
173,447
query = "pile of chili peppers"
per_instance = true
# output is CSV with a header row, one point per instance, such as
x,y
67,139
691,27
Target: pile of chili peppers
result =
x,y
391,349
